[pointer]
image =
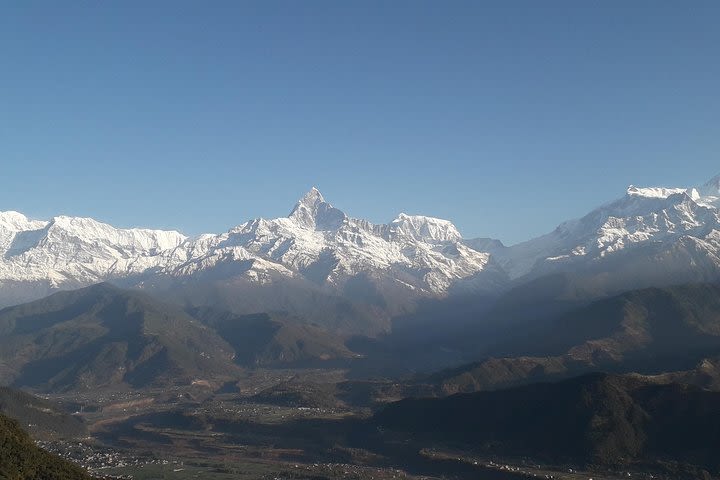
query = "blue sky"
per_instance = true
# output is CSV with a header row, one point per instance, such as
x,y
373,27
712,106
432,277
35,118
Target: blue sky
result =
x,y
505,117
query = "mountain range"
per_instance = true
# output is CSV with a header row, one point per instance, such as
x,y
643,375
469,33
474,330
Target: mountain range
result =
x,y
360,275
316,242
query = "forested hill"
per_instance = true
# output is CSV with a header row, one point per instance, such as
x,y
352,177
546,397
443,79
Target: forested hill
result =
x,y
21,459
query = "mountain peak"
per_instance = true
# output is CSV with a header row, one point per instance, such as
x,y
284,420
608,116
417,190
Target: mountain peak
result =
x,y
425,228
312,198
313,212
17,221
658,192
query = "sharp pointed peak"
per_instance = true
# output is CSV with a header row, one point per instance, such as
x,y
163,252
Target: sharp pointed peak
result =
x,y
312,211
310,201
312,197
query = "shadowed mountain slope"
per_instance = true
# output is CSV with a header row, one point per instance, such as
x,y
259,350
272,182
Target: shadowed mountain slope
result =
x,y
651,331
273,339
100,336
594,419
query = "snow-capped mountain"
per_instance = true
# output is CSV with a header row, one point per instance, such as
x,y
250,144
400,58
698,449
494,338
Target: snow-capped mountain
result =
x,y
651,236
37,257
68,249
322,244
318,243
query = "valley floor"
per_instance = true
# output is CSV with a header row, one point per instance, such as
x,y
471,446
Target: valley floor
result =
x,y
275,424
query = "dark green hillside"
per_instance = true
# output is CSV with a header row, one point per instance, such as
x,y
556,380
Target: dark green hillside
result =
x,y
101,336
20,459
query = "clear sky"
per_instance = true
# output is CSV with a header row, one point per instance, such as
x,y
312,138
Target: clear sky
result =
x,y
505,117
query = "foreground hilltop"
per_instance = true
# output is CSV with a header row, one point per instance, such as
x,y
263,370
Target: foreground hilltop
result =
x,y
20,459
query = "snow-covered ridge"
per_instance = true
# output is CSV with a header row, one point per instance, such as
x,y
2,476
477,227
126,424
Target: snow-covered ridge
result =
x,y
15,221
661,192
316,242
424,228
666,218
